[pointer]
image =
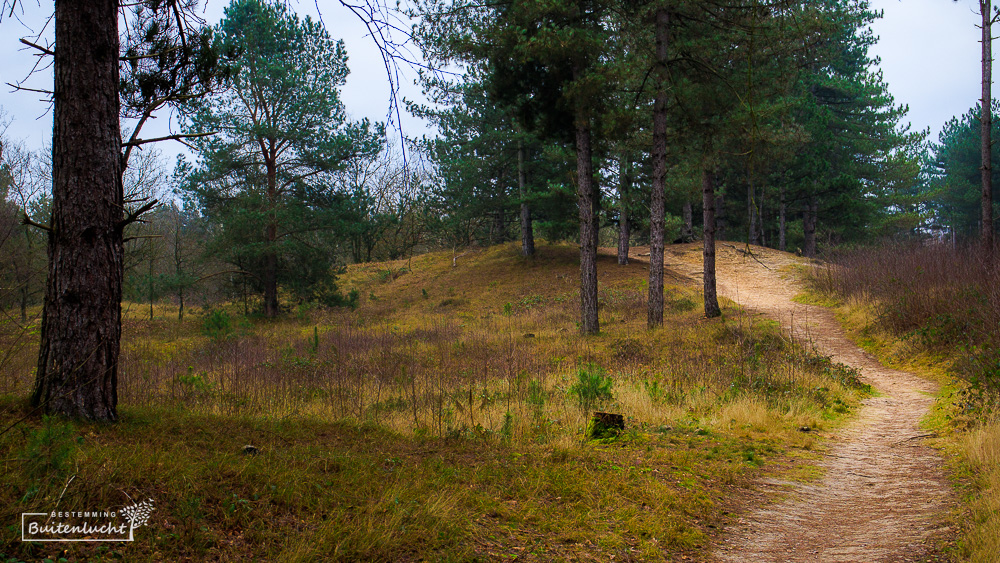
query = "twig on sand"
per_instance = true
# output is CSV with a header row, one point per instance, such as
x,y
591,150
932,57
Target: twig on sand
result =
x,y
917,437
749,253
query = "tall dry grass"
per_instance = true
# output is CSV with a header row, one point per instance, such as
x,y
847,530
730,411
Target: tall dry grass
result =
x,y
491,378
456,360
938,297
942,302
981,449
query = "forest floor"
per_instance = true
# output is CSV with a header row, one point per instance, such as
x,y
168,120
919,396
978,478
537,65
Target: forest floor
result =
x,y
883,496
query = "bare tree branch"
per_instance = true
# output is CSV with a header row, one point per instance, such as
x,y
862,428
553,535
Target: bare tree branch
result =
x,y
177,137
18,87
126,239
39,47
133,216
26,220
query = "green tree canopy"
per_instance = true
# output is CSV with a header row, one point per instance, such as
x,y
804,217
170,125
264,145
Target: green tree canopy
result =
x,y
953,169
281,130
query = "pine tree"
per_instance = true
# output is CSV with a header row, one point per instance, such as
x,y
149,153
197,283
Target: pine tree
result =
x,y
281,127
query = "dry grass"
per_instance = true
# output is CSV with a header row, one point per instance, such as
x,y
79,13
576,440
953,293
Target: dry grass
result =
x,y
941,301
934,310
981,449
442,419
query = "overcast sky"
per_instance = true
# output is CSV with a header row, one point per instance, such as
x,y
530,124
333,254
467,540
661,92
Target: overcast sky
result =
x,y
366,93
929,51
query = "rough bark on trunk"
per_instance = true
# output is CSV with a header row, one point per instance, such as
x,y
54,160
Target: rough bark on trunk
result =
x,y
587,203
809,228
527,233
77,372
270,240
654,311
781,222
624,189
986,122
708,252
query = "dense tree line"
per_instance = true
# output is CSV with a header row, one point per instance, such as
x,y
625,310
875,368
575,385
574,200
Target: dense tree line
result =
x,y
607,122
771,110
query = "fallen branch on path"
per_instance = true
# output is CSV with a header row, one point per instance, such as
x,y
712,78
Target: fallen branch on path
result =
x,y
917,437
747,253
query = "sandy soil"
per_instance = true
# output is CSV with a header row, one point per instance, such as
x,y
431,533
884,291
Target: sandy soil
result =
x,y
884,496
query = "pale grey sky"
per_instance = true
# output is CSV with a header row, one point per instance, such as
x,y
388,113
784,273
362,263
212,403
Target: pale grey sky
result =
x,y
929,50
931,57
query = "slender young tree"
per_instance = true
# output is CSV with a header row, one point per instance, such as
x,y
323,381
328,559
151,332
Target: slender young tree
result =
x,y
624,202
986,121
527,230
708,253
654,313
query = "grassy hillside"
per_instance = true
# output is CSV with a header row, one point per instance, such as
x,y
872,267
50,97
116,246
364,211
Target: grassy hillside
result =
x,y
444,418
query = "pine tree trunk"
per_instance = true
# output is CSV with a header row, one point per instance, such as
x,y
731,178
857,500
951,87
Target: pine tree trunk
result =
x,y
499,226
270,241
986,123
151,295
752,237
809,228
708,254
178,269
624,189
587,203
687,235
761,233
77,372
527,232
654,312
781,222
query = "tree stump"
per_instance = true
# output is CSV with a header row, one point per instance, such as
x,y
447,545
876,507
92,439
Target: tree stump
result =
x,y
604,424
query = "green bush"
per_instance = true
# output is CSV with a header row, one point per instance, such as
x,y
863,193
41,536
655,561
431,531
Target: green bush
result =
x,y
217,325
592,386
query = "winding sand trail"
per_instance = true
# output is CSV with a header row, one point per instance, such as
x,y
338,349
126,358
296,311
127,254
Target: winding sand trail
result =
x,y
883,496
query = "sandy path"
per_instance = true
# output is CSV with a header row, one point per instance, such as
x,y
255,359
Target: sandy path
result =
x,y
884,496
